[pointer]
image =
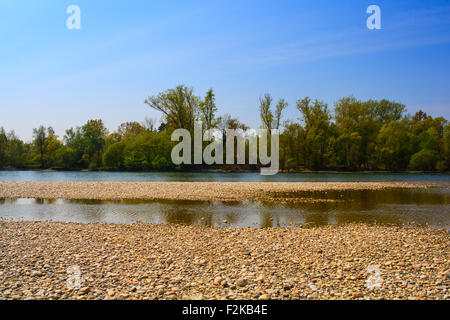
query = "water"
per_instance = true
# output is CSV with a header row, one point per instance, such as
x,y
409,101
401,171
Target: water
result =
x,y
216,176
428,207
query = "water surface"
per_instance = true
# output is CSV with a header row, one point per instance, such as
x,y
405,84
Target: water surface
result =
x,y
428,207
215,176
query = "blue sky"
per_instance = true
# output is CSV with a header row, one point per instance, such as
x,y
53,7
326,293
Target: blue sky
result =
x,y
127,50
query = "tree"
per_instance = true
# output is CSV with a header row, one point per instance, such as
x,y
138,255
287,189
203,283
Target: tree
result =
x,y
3,147
318,131
446,148
130,129
419,116
425,159
264,111
94,134
357,129
68,158
76,145
348,148
179,106
291,141
385,110
268,118
146,151
40,135
208,110
394,145
16,151
161,163
149,124
70,136
428,135
314,113
52,155
281,105
227,122
373,134
47,147
113,158
162,127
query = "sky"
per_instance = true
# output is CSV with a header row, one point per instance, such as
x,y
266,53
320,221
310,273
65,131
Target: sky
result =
x,y
126,51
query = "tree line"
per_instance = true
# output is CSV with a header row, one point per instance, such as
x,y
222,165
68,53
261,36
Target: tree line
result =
x,y
355,135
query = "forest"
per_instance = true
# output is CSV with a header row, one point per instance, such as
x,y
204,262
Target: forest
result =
x,y
354,135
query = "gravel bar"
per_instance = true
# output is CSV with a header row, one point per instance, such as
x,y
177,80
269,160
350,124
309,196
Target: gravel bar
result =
x,y
145,261
220,191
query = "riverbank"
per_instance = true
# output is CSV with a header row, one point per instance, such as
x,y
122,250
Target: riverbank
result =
x,y
237,169
144,261
209,191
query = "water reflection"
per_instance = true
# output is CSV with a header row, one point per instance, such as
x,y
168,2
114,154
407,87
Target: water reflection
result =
x,y
400,195
395,206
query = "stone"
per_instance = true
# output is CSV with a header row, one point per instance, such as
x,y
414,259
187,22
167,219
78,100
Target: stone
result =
x,y
242,282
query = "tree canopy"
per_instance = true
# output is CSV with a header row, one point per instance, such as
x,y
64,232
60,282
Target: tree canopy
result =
x,y
354,135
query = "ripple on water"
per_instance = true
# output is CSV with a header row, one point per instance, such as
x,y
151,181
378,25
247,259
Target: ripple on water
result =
x,y
430,207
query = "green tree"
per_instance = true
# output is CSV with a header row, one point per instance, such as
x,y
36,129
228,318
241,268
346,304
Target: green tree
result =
x,y
113,158
52,154
348,148
265,111
16,151
394,145
161,163
130,129
68,157
291,141
228,122
179,106
76,149
446,148
40,136
357,128
318,131
425,159
281,105
208,110
149,124
268,118
385,110
3,147
94,135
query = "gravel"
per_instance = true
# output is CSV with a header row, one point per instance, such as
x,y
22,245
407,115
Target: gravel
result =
x,y
39,260
221,191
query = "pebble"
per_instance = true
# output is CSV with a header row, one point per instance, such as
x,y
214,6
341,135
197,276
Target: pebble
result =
x,y
241,282
170,190
177,261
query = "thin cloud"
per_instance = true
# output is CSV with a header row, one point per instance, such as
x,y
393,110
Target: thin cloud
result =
x,y
407,30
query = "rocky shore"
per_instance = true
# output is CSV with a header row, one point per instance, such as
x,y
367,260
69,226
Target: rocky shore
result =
x,y
221,191
144,261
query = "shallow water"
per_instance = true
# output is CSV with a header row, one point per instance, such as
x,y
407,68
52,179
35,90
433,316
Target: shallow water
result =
x,y
215,176
429,207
